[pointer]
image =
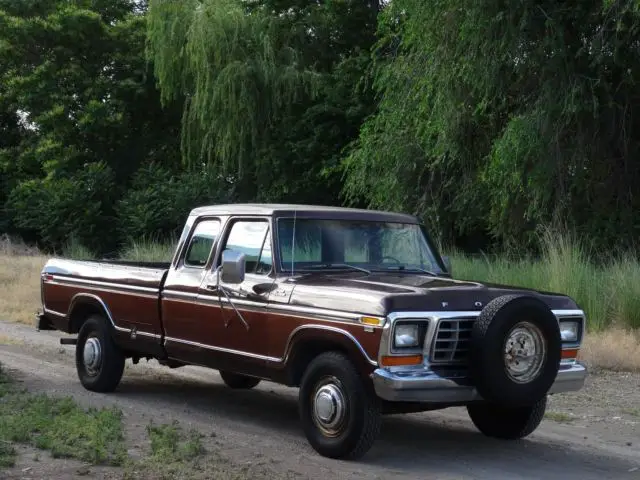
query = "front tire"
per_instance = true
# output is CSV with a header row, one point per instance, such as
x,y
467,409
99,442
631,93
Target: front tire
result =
x,y
237,381
340,417
507,423
99,361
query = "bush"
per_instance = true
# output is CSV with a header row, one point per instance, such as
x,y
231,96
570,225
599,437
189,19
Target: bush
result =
x,y
158,201
57,209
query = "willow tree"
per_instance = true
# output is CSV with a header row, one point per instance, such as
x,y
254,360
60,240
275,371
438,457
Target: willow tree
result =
x,y
504,116
263,84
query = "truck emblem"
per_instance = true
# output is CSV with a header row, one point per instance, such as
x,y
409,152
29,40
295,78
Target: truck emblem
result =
x,y
445,304
478,304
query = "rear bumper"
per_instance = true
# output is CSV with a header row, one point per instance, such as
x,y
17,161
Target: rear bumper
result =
x,y
429,387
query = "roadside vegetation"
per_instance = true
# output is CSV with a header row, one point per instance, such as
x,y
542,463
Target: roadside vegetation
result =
x,y
64,429
58,425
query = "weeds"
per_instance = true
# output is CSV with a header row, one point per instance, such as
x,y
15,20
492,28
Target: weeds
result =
x,y
60,426
559,417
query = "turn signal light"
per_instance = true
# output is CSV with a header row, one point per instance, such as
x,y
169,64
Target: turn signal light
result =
x,y
569,353
401,360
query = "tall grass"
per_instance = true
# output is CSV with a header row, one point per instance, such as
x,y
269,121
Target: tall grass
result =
x,y
609,293
149,250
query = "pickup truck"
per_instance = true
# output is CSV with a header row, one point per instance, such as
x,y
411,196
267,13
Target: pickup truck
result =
x,y
356,308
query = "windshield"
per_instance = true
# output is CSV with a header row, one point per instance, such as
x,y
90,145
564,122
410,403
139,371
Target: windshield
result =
x,y
369,245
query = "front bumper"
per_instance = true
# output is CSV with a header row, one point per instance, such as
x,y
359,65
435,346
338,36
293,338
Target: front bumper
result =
x,y
427,386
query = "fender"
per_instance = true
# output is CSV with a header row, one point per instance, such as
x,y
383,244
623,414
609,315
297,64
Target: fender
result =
x,y
307,341
82,299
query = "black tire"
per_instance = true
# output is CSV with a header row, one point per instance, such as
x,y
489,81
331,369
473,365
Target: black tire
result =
x,y
507,423
488,363
107,372
360,424
235,380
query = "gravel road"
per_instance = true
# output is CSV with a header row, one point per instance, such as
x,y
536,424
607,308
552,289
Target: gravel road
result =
x,y
591,435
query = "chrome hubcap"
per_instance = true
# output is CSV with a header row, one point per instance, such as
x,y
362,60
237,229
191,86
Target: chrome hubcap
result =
x,y
524,352
92,355
329,406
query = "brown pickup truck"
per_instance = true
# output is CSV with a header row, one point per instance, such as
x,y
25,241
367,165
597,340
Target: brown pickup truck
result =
x,y
355,307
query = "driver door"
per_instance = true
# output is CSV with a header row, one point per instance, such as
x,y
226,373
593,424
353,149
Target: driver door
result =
x,y
240,309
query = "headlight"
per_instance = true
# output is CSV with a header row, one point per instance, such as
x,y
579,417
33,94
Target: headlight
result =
x,y
407,335
569,331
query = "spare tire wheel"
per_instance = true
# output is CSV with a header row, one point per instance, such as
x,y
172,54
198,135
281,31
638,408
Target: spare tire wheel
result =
x,y
515,350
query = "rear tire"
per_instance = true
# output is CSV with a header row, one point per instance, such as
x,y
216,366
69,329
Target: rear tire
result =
x,y
340,416
507,423
99,361
237,381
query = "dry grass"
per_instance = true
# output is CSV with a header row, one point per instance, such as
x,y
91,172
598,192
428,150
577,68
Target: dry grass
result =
x,y
20,287
613,349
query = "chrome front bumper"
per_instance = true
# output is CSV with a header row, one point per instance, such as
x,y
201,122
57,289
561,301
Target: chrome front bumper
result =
x,y
422,385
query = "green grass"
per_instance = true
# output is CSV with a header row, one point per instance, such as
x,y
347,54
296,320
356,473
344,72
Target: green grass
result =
x,y
634,412
174,454
60,426
559,417
609,294
146,250
75,250
170,444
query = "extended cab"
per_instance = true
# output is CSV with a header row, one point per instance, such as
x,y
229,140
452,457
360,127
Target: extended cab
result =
x,y
355,307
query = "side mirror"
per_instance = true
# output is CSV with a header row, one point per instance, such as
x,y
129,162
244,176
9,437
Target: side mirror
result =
x,y
447,264
233,267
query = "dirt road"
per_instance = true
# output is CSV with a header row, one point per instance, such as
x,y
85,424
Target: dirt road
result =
x,y
591,435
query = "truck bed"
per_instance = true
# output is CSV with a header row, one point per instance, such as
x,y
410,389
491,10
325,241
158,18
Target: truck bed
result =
x,y
128,291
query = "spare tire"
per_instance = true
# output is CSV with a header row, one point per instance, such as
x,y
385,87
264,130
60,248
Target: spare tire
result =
x,y
515,350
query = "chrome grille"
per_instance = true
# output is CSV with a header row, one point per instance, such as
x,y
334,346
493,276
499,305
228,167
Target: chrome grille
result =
x,y
452,340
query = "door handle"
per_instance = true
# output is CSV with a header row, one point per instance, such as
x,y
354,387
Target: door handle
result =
x,y
211,286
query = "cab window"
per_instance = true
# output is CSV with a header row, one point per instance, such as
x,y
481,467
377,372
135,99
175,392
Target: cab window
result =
x,y
251,237
204,237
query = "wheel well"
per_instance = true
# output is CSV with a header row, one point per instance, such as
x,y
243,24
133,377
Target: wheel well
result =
x,y
305,352
81,312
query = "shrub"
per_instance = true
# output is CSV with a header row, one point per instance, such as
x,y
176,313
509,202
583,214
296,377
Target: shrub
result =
x,y
159,200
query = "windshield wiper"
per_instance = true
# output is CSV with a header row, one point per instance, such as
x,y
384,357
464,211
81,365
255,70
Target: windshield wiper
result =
x,y
403,268
338,265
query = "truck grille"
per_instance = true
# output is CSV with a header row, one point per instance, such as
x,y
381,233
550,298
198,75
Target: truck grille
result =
x,y
452,340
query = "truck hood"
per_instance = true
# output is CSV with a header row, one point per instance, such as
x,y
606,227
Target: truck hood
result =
x,y
380,293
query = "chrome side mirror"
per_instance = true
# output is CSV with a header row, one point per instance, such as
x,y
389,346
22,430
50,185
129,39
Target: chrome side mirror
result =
x,y
233,267
447,264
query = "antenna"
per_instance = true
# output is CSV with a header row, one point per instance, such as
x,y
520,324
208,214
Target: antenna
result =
x,y
293,241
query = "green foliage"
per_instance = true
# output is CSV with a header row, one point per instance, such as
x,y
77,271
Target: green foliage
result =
x,y
502,117
269,88
60,426
170,445
158,201
78,106
77,207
